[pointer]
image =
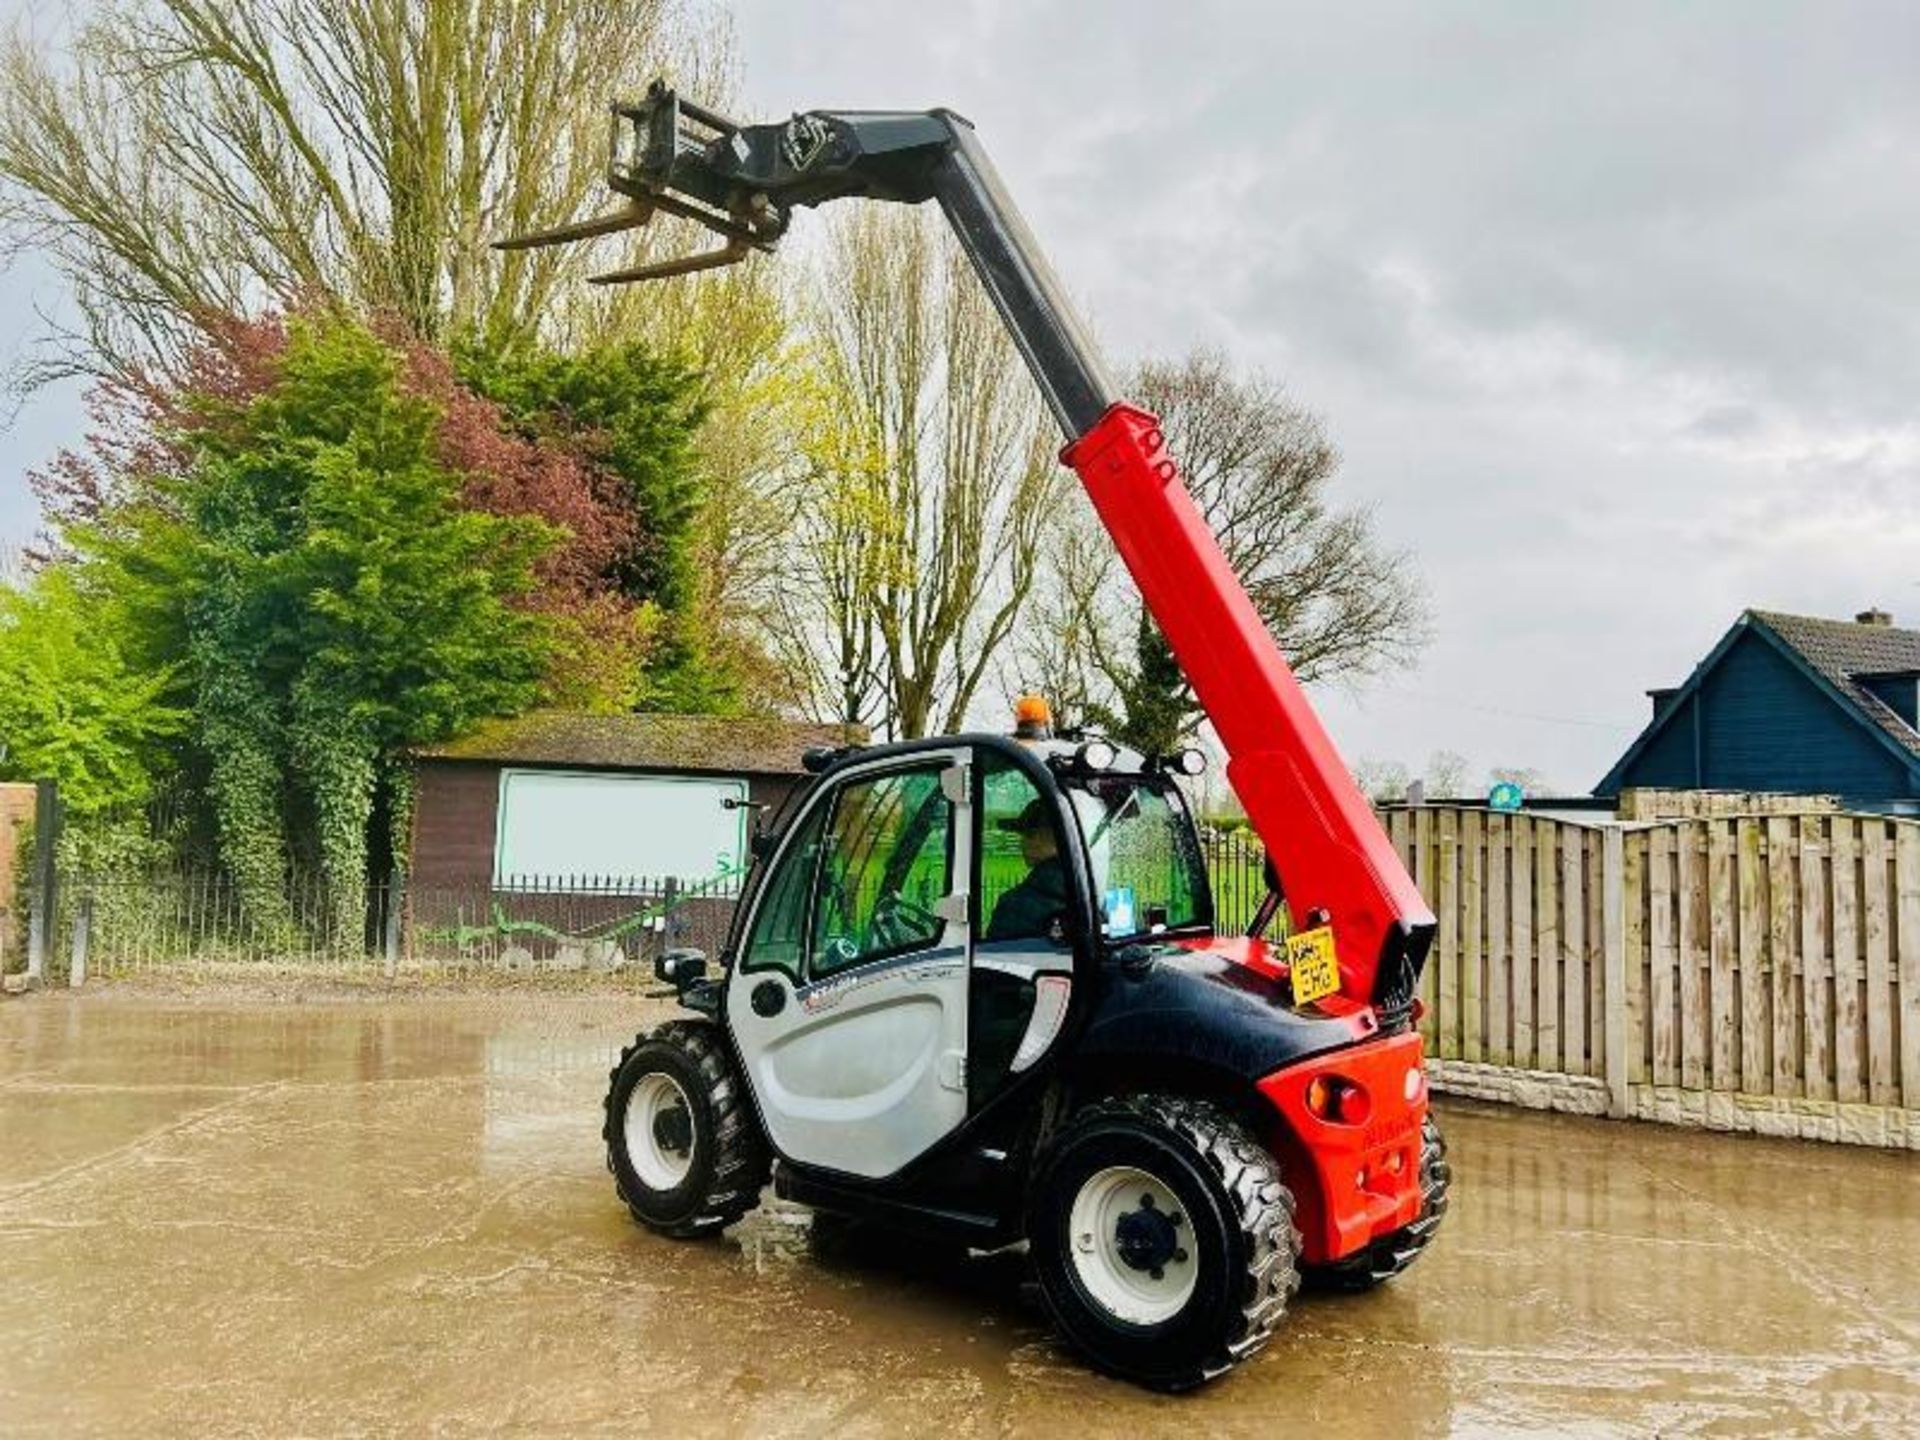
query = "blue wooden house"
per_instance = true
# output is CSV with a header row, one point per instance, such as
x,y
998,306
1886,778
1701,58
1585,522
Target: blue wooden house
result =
x,y
1794,704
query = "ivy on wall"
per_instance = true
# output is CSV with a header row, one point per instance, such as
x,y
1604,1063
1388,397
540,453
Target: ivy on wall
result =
x,y
321,545
334,600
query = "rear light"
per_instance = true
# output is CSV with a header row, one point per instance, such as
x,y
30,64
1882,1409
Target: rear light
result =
x,y
1320,1096
1336,1098
1351,1105
1413,1085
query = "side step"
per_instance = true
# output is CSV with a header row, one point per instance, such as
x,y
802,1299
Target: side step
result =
x,y
892,1207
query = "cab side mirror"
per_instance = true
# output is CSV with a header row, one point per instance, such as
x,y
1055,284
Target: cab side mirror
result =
x,y
680,968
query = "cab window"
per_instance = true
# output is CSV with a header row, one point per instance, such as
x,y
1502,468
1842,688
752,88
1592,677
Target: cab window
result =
x,y
779,934
886,863
1023,876
1147,868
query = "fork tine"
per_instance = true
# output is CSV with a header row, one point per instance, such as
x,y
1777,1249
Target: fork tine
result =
x,y
630,218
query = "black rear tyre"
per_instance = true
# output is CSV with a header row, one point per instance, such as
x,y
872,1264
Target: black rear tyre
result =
x,y
1391,1254
683,1143
1164,1239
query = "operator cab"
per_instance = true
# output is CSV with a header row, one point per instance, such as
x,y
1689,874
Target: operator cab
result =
x,y
925,916
1142,867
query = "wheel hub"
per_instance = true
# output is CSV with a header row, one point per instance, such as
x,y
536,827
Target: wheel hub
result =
x,y
1147,1238
1131,1247
660,1134
673,1130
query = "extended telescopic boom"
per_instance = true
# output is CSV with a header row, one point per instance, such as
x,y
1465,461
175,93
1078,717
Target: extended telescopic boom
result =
x,y
742,182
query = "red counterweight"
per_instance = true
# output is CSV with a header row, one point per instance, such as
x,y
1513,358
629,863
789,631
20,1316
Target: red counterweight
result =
x,y
1319,830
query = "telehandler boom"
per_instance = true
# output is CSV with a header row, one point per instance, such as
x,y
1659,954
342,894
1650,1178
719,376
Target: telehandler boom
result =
x,y
1336,865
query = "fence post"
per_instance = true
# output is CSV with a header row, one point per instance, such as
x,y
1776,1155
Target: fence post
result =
x,y
1613,920
46,840
82,934
669,899
390,936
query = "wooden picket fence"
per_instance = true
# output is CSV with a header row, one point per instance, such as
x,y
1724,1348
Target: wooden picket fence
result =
x,y
1772,956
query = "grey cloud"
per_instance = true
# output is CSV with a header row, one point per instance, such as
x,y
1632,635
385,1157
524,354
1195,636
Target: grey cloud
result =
x,y
1612,309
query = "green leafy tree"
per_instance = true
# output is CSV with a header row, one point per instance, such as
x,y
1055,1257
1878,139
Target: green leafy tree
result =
x,y
180,163
636,415
335,601
72,708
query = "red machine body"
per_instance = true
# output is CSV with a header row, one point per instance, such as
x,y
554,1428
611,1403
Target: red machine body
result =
x,y
1329,850
1355,1173
1365,1165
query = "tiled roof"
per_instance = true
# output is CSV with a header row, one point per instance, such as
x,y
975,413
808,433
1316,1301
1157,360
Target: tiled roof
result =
x,y
1842,649
711,743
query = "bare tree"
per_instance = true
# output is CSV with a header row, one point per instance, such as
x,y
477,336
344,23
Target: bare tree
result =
x,y
1381,780
1260,468
1446,775
1054,652
1531,782
928,484
188,157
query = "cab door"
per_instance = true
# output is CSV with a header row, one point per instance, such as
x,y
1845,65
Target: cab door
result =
x,y
1022,979
848,1001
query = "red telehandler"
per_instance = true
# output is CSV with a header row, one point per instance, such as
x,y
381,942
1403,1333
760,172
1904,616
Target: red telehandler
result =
x,y
973,985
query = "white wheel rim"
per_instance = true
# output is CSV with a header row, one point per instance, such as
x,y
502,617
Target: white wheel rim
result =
x,y
1116,1281
658,1167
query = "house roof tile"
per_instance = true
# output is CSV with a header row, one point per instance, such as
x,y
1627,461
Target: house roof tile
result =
x,y
1841,650
721,745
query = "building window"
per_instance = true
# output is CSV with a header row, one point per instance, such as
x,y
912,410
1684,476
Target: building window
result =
x,y
623,832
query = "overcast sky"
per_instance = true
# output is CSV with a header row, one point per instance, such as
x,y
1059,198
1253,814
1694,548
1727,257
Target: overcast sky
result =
x,y
1611,309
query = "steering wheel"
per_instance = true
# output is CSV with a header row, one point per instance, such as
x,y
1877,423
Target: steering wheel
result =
x,y
897,921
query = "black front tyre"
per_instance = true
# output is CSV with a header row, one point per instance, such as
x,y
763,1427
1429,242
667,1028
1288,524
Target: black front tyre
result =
x,y
1391,1254
1163,1239
683,1143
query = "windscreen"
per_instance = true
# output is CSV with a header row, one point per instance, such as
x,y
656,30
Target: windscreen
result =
x,y
1147,870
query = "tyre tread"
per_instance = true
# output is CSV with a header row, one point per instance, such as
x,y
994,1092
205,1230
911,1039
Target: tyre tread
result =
x,y
1262,1207
741,1160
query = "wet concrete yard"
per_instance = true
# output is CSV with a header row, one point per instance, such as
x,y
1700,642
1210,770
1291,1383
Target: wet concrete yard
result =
x,y
355,1216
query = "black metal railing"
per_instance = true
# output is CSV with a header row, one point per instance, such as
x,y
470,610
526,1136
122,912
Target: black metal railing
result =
x,y
135,923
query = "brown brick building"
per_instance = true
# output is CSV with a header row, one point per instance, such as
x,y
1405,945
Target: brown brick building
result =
x,y
554,798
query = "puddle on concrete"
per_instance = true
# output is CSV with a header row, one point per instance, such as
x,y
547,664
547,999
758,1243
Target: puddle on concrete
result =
x,y
395,1216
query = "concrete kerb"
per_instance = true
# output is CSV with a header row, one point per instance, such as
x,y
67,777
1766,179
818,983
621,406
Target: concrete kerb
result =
x,y
1784,1117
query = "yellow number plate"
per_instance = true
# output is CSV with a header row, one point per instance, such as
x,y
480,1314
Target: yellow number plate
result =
x,y
1316,973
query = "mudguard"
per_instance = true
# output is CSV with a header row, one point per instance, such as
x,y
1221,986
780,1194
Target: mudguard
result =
x,y
1201,1008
